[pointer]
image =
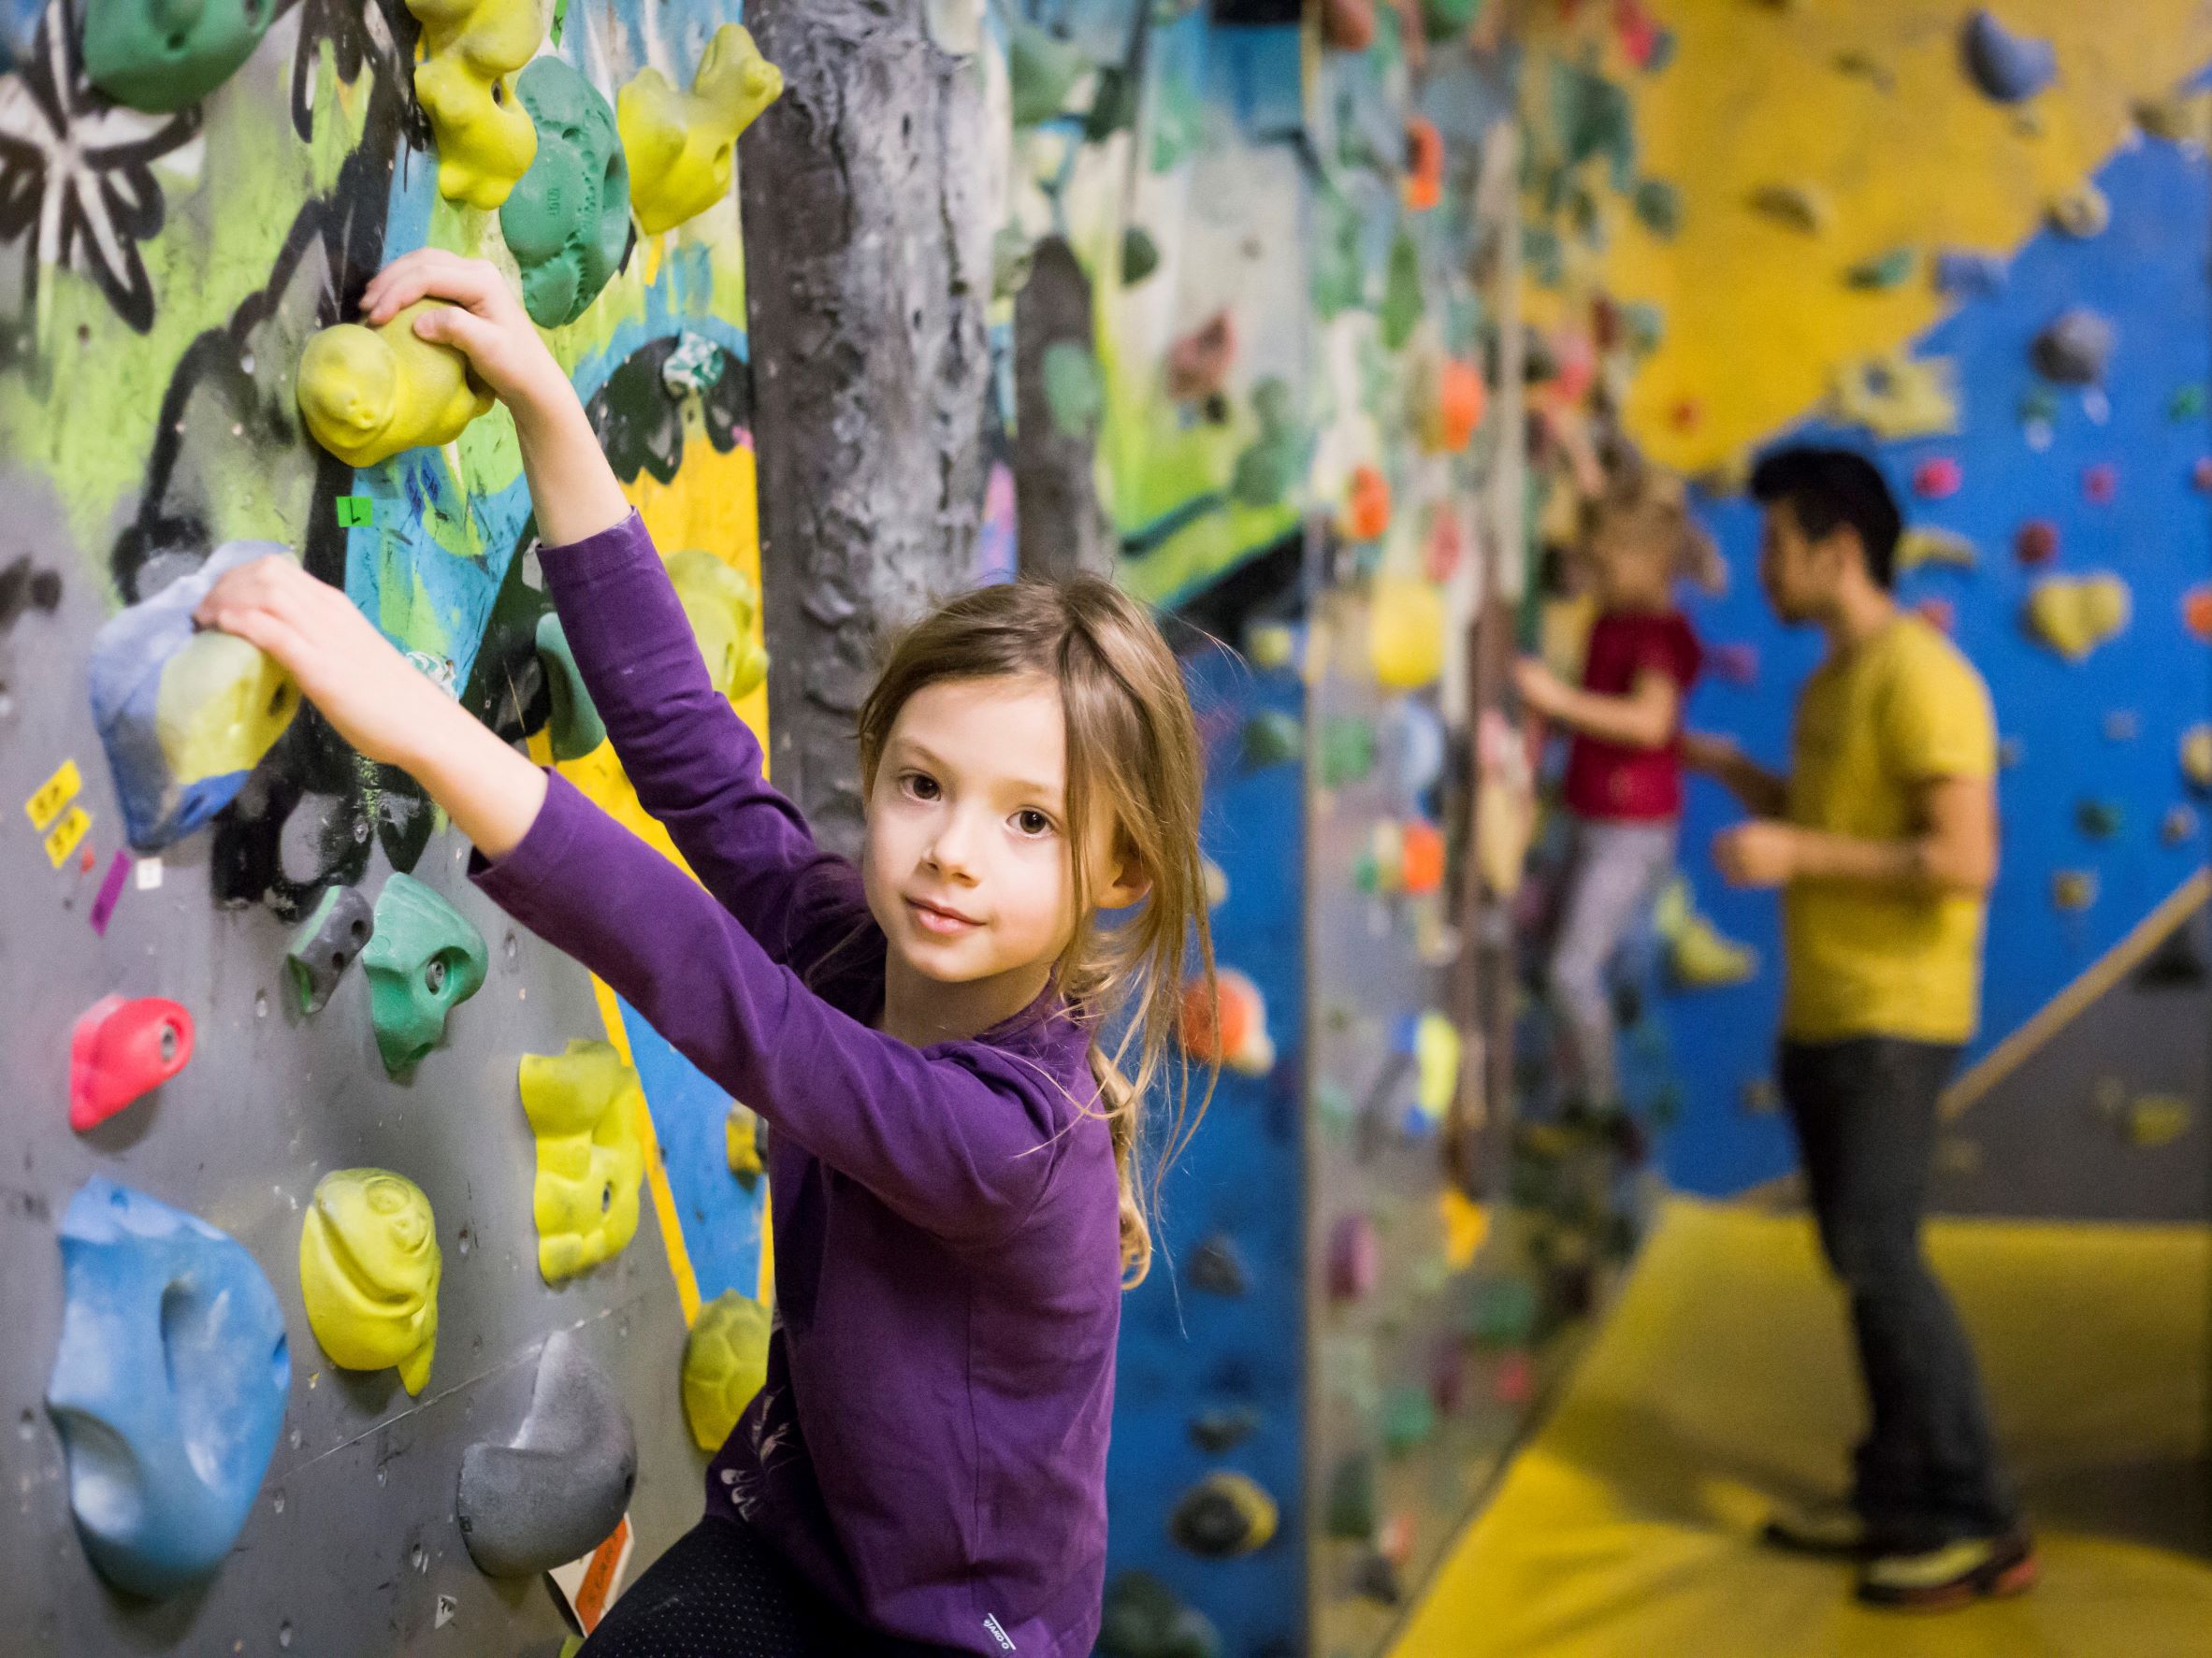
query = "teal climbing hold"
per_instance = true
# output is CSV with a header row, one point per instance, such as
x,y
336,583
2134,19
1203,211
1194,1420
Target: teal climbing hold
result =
x,y
1271,738
1659,208
1884,270
161,56
1502,1312
574,727
1041,71
1408,1420
566,221
1274,463
424,961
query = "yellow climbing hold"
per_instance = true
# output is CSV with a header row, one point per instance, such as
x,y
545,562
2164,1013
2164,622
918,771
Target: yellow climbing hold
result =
x,y
2156,1119
725,1364
722,605
1406,632
682,147
1698,958
368,393
1919,546
1897,396
368,1272
740,1143
1436,1064
220,705
583,1105
471,49
2196,756
1467,1227
2075,614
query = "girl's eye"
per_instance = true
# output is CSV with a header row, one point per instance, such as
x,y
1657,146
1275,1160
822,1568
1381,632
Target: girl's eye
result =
x,y
921,786
1033,822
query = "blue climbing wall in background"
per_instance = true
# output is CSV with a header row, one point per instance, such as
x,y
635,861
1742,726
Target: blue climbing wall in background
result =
x,y
2104,731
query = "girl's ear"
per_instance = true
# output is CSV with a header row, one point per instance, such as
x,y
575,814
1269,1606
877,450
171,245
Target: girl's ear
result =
x,y
1120,882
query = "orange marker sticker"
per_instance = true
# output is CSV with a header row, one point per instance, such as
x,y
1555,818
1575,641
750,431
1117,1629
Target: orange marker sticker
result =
x,y
54,794
63,838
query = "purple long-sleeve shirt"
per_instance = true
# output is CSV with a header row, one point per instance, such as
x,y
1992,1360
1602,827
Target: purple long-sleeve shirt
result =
x,y
930,1448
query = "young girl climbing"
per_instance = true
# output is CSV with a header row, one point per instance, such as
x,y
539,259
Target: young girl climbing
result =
x,y
1624,765
957,1205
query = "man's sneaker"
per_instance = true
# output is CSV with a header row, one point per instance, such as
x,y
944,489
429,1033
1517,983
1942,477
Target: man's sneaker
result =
x,y
1955,1575
1833,1530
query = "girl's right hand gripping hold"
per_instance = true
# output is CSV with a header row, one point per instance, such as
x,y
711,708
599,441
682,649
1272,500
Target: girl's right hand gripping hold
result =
x,y
572,489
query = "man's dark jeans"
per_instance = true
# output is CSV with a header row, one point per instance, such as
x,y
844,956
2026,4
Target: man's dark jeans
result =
x,y
1865,1113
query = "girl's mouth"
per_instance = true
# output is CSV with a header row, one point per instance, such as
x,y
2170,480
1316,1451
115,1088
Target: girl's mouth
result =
x,y
935,919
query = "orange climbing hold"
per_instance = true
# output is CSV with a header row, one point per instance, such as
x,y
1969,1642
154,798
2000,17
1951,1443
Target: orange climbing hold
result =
x,y
1228,1027
1366,505
1423,185
2196,611
1461,401
1347,26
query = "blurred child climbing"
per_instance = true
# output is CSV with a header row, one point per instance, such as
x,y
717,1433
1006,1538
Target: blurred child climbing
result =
x,y
1623,788
924,1469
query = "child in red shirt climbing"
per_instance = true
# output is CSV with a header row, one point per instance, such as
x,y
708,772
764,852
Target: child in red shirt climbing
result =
x,y
1624,765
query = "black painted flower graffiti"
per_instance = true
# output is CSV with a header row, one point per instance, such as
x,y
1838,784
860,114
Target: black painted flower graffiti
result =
x,y
75,175
361,34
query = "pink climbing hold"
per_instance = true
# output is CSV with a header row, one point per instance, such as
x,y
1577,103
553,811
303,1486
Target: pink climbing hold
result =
x,y
2037,541
1515,1380
1939,613
2101,483
2201,474
122,1049
1356,1258
1938,478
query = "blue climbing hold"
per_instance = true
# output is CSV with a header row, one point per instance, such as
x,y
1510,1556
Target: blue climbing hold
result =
x,y
1970,275
184,715
169,1389
2008,67
19,29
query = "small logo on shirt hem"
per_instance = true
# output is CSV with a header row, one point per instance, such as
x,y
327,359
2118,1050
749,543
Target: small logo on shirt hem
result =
x,y
997,1633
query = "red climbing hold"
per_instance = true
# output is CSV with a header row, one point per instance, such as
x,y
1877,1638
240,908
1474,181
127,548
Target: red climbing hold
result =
x,y
1515,1380
1939,613
2196,612
2037,541
2101,483
2201,474
1935,480
122,1049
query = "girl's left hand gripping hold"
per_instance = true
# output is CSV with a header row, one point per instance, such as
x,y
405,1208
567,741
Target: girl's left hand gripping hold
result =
x,y
376,699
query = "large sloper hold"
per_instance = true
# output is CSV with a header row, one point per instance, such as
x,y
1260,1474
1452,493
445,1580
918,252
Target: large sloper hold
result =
x,y
683,146
184,715
161,56
423,961
554,1494
567,222
369,1267
168,1387
583,1107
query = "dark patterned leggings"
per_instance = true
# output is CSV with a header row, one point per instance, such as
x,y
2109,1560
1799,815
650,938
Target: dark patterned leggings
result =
x,y
720,1592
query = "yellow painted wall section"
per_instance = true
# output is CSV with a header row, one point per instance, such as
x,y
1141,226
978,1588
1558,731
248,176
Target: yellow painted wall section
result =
x,y
1758,315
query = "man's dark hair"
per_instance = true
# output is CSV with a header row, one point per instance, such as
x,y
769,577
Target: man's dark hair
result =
x,y
1829,488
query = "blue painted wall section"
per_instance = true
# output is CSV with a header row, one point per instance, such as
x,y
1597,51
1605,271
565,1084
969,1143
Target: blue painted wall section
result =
x,y
1185,1351
2105,730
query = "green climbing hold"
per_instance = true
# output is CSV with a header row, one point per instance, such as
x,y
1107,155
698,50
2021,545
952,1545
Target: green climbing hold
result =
x,y
1350,1513
1339,273
2187,402
1140,255
1659,208
2099,819
424,960
1446,18
1347,750
1402,301
1272,465
1041,70
1074,389
1271,738
1113,104
2039,404
1593,118
1408,1420
566,221
1502,1313
1883,271
574,727
160,55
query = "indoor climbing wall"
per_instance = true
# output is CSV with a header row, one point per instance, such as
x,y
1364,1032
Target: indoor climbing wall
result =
x,y
1974,243
355,1232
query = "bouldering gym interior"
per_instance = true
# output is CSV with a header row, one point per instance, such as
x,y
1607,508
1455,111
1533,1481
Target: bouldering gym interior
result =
x,y
1686,526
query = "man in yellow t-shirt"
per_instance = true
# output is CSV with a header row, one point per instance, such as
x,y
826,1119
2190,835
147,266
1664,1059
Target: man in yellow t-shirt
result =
x,y
1883,839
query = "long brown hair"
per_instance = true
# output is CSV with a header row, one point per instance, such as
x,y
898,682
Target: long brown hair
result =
x,y
1131,752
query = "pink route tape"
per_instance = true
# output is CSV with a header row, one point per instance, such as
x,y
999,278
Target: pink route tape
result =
x,y
119,868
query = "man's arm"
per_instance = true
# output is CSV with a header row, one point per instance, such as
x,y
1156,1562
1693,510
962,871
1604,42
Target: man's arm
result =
x,y
1763,793
1954,851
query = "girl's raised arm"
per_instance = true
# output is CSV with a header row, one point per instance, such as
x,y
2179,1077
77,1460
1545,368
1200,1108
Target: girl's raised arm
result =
x,y
694,765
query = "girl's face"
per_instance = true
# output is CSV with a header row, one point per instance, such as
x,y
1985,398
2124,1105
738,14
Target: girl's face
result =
x,y
967,864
